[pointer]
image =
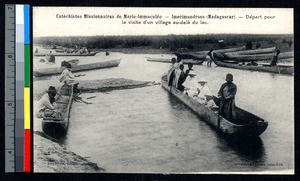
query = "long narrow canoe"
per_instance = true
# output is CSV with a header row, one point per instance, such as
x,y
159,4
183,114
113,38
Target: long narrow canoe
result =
x,y
258,57
200,55
249,125
223,50
251,52
168,60
261,68
66,54
55,127
76,68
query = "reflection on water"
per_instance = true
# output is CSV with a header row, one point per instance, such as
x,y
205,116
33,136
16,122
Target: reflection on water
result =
x,y
250,148
149,130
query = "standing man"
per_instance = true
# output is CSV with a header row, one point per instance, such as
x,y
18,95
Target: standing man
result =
x,y
171,72
210,57
226,95
179,78
274,60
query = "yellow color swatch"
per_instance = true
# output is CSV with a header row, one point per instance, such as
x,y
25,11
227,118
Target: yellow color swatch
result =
x,y
26,108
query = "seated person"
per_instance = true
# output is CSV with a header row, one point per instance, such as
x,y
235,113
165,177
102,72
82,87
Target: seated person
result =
x,y
47,102
191,85
205,96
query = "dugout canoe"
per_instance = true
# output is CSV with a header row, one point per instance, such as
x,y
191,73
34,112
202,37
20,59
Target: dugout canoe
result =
x,y
168,60
257,57
76,68
249,125
66,54
252,52
223,50
200,55
280,69
54,127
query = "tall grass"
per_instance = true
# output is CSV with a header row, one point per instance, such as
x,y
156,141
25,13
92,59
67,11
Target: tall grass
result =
x,y
171,42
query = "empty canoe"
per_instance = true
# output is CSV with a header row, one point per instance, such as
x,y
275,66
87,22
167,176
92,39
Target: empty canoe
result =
x,y
286,69
66,54
76,68
251,52
168,60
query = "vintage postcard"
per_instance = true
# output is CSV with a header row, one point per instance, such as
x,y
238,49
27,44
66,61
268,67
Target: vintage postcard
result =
x,y
163,90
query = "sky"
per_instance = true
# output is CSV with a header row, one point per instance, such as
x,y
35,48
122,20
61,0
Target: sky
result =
x,y
106,21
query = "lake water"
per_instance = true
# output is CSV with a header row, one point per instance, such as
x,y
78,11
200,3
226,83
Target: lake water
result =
x,y
148,130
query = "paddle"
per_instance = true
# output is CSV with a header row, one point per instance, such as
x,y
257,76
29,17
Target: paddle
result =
x,y
91,97
77,98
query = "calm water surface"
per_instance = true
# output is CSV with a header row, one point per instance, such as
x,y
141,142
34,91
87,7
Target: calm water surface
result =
x,y
148,130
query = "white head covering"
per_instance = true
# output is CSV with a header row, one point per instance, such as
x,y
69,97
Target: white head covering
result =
x,y
202,80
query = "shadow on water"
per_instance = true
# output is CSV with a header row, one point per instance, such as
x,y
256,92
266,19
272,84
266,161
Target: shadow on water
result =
x,y
251,149
246,147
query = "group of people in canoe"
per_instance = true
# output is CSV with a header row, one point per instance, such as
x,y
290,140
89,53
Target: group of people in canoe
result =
x,y
197,88
46,105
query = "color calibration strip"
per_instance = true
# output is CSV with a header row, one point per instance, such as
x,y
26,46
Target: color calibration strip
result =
x,y
17,50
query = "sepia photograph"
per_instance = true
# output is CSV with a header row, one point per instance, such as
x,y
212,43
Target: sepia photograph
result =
x,y
163,90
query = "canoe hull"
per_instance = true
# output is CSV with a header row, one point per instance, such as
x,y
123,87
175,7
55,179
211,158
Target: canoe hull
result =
x,y
200,55
253,129
58,128
257,57
66,54
277,70
168,60
76,68
252,52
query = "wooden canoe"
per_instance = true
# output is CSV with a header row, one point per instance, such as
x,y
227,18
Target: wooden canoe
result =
x,y
222,50
168,60
261,68
76,68
252,52
250,124
258,57
54,127
66,54
200,55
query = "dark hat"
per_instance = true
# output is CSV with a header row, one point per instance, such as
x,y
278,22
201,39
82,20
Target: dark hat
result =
x,y
229,77
51,89
277,51
68,65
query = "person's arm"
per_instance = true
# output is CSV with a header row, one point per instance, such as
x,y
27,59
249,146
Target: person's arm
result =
x,y
48,105
220,91
70,74
232,94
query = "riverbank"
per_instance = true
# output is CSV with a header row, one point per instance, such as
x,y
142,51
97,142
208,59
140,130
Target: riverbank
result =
x,y
49,156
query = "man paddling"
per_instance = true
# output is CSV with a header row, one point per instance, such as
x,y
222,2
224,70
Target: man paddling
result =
x,y
226,96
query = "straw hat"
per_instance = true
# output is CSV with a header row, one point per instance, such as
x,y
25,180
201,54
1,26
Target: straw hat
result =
x,y
51,89
202,80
